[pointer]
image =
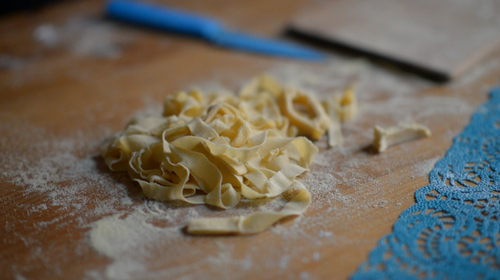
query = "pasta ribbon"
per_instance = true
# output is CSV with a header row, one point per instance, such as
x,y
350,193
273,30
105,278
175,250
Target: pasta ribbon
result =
x,y
218,148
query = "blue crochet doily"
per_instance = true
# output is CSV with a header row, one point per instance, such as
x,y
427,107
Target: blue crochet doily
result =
x,y
453,232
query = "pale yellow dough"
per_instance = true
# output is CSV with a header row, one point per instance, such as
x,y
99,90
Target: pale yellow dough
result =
x,y
385,138
340,108
217,148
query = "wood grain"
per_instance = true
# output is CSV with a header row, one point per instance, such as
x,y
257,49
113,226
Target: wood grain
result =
x,y
60,95
440,38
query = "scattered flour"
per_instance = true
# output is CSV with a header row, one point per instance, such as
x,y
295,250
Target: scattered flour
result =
x,y
316,257
144,238
11,62
424,168
112,237
84,36
324,234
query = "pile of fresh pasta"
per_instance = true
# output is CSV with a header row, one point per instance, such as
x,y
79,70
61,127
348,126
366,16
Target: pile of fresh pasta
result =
x,y
218,148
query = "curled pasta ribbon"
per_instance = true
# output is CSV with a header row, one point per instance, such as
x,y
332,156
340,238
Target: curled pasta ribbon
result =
x,y
252,223
394,135
216,149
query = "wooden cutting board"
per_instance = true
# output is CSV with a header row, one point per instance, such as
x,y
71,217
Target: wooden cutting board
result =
x,y
440,39
57,195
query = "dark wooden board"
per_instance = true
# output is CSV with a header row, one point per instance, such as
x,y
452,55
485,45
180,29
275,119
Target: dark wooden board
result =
x,y
441,39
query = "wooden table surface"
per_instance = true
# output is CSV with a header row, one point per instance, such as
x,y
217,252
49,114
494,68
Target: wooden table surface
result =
x,y
60,204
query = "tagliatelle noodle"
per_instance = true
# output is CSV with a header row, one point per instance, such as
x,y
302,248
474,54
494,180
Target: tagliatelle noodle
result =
x,y
347,104
217,148
334,131
340,108
394,135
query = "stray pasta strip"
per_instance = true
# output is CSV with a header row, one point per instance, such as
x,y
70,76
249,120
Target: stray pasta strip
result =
x,y
252,223
334,132
340,108
218,148
385,138
347,104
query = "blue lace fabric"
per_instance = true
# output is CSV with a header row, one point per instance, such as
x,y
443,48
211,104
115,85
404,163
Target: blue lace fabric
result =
x,y
453,231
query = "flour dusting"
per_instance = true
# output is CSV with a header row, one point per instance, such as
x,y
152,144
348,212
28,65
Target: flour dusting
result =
x,y
84,37
141,238
424,168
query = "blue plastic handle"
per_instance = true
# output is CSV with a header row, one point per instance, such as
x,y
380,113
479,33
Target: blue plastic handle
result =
x,y
163,18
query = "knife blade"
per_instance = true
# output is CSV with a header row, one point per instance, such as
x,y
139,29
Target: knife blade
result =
x,y
191,24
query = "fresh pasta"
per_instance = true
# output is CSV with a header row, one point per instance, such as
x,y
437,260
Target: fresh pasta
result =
x,y
218,148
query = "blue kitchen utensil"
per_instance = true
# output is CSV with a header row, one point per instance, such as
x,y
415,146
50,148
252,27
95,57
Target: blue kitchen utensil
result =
x,y
209,29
